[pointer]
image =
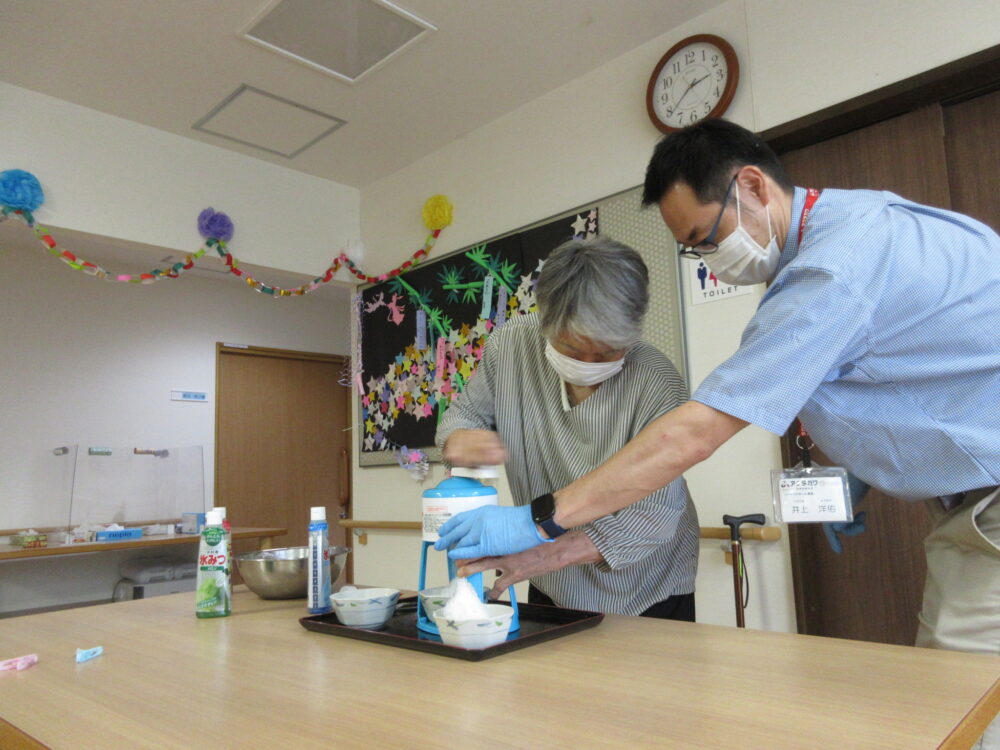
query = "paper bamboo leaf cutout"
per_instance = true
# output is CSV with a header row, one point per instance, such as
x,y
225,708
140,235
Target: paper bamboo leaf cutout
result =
x,y
453,282
505,273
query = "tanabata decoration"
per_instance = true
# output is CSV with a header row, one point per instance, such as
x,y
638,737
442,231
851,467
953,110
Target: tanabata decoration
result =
x,y
420,335
21,194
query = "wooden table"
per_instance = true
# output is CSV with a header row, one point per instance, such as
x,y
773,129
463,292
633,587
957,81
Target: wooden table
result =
x,y
10,552
257,679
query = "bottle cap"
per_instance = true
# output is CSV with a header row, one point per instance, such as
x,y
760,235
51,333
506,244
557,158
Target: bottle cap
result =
x,y
213,518
476,472
318,513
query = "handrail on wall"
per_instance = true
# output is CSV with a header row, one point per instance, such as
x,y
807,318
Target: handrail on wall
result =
x,y
754,533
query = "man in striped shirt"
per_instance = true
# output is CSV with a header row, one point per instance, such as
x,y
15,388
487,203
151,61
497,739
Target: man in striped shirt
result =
x,y
558,393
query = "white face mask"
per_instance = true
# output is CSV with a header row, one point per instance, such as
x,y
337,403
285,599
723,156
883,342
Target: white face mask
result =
x,y
581,373
740,259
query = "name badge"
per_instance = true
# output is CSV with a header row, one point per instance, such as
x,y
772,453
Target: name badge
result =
x,y
817,494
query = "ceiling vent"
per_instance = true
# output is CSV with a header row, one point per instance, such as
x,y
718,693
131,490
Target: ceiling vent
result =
x,y
342,38
268,122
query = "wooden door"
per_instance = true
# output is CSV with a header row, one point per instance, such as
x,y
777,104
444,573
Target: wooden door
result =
x,y
281,445
973,149
872,591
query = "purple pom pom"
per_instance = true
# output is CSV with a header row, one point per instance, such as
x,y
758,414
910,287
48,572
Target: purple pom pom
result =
x,y
215,225
21,190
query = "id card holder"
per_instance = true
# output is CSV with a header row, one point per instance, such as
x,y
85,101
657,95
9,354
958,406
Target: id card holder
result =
x,y
813,494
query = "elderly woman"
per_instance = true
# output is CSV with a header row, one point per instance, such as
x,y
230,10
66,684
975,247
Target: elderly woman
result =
x,y
556,394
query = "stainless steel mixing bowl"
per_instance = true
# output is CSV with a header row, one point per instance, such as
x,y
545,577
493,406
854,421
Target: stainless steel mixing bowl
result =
x,y
283,573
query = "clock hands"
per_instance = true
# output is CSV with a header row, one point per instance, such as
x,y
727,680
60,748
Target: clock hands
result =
x,y
690,86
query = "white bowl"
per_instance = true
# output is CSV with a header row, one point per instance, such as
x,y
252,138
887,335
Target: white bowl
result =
x,y
364,608
476,633
434,599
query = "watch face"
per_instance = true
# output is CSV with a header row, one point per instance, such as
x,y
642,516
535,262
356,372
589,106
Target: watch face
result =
x,y
690,84
543,508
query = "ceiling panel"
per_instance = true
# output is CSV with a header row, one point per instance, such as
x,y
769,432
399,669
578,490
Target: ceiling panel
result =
x,y
167,63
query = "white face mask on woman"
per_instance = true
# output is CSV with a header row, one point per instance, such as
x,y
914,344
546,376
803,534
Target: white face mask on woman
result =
x,y
581,373
740,259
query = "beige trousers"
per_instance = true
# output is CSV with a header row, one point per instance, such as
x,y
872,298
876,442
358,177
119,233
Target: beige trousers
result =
x,y
961,608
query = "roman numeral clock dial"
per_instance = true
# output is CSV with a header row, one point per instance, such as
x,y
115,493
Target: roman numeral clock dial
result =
x,y
694,80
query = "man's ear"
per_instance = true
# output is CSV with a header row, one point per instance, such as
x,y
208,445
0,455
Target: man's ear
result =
x,y
751,180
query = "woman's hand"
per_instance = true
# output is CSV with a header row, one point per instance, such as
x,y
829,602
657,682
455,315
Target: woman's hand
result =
x,y
475,448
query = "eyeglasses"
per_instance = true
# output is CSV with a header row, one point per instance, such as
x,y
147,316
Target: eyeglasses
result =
x,y
708,245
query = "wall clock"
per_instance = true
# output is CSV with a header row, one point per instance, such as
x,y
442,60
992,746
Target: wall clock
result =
x,y
694,80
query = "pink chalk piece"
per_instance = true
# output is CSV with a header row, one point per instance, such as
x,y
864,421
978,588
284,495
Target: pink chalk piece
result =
x,y
19,662
123,277
358,383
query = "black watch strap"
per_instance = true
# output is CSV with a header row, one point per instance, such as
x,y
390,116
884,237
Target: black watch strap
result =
x,y
543,508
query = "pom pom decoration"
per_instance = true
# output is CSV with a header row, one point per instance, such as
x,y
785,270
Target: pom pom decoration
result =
x,y
215,225
20,190
437,212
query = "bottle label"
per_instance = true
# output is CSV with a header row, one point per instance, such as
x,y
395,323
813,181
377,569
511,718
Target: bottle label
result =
x,y
213,535
213,594
319,569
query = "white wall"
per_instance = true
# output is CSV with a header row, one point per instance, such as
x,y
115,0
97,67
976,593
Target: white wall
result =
x,y
92,362
115,178
592,138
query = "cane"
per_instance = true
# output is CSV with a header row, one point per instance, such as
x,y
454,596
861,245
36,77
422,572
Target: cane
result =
x,y
734,522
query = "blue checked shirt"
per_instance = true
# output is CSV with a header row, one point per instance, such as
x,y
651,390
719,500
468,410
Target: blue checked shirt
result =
x,y
881,331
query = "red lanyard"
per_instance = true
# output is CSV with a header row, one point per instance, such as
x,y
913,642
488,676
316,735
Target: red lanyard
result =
x,y
812,194
800,442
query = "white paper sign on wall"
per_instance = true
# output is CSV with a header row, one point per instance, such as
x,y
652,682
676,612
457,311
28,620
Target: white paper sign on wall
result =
x,y
195,396
705,287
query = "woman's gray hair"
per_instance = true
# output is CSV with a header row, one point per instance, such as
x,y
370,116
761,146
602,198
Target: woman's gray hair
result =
x,y
596,288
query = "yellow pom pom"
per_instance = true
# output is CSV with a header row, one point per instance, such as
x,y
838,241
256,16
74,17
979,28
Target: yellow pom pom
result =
x,y
437,212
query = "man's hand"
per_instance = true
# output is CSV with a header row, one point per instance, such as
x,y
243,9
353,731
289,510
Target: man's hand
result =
x,y
488,531
475,448
573,548
857,490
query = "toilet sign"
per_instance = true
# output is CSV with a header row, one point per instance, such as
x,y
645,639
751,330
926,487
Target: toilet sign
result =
x,y
705,287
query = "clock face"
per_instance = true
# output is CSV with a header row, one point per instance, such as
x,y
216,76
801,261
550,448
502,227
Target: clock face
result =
x,y
693,81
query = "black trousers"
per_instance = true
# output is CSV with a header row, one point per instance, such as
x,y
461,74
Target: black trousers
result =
x,y
679,607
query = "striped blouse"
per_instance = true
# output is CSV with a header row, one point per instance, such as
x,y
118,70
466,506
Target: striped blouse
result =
x,y
650,548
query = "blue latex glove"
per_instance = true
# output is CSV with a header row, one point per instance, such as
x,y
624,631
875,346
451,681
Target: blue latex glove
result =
x,y
857,490
489,531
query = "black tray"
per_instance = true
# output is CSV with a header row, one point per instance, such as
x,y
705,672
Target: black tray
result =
x,y
539,623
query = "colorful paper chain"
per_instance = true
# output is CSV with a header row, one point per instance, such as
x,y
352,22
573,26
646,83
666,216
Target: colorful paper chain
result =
x,y
73,261
175,270
341,260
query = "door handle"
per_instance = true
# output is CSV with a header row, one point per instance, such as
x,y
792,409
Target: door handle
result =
x,y
345,481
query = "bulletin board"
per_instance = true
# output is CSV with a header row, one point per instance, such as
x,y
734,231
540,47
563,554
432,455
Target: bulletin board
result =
x,y
422,333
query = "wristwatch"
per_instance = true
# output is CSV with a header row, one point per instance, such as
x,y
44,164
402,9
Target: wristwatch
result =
x,y
543,508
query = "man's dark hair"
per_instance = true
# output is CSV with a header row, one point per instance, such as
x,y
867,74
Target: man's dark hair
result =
x,y
705,156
